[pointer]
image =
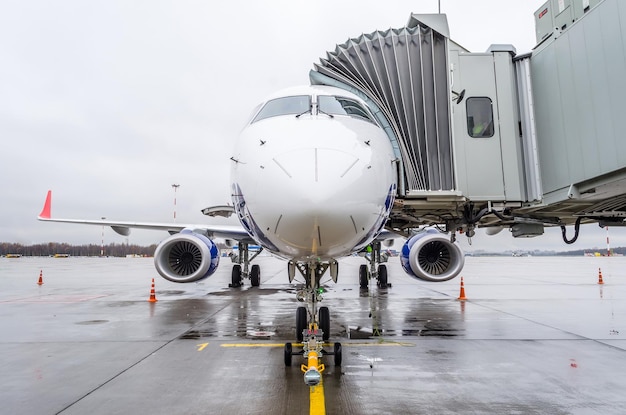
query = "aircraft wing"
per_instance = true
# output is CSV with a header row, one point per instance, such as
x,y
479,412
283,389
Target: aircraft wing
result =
x,y
123,227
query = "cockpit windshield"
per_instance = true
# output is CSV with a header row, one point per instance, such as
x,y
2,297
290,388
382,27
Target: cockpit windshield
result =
x,y
284,106
335,105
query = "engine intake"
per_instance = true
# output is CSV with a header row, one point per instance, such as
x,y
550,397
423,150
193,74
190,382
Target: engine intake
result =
x,y
430,256
186,257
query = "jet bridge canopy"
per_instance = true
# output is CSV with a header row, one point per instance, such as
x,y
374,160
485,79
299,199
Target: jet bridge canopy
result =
x,y
493,138
404,72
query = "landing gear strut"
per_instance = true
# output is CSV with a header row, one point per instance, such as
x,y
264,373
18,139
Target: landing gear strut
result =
x,y
312,325
239,274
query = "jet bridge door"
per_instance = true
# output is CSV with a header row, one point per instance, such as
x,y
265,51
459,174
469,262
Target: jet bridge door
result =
x,y
478,155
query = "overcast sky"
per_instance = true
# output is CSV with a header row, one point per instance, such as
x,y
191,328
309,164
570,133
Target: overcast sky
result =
x,y
109,103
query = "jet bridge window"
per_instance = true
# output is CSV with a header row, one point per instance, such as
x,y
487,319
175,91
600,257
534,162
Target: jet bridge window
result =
x,y
479,117
284,106
334,105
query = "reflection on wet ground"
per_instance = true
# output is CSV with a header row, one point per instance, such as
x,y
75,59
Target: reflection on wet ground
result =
x,y
269,313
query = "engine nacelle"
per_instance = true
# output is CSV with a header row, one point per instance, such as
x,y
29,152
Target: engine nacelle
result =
x,y
186,257
430,256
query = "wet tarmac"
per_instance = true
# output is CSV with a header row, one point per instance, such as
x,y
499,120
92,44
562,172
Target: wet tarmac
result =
x,y
536,336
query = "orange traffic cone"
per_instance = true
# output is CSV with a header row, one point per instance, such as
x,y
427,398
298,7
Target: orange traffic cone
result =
x,y
152,293
462,294
600,276
40,282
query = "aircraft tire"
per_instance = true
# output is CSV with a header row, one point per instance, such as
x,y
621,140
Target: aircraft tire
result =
x,y
382,276
288,349
363,280
337,352
236,276
325,322
300,322
255,276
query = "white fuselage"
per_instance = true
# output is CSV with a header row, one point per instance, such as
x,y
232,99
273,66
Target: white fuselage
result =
x,y
313,186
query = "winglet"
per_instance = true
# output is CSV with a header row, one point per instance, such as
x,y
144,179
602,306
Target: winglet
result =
x,y
45,212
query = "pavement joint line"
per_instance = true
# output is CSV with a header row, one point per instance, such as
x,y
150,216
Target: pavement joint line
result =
x,y
115,376
53,299
135,364
580,337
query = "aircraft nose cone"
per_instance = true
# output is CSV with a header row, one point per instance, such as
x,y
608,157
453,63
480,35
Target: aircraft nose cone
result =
x,y
330,204
326,171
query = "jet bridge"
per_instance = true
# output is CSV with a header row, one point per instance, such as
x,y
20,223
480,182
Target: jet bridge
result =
x,y
498,139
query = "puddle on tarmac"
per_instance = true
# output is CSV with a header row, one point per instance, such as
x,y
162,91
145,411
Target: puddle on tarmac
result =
x,y
90,322
170,292
254,290
121,303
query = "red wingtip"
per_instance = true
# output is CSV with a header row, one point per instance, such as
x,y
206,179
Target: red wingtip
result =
x,y
45,212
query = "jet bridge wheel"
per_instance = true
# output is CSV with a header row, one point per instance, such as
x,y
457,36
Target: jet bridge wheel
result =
x,y
301,323
255,275
236,276
382,276
363,280
325,322
288,354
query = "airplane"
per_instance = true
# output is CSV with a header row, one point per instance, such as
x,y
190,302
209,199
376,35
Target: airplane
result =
x,y
313,179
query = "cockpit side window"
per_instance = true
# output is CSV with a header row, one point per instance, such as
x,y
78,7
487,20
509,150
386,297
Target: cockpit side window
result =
x,y
284,106
335,105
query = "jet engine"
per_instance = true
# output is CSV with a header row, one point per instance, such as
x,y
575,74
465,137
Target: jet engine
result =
x,y
430,256
186,257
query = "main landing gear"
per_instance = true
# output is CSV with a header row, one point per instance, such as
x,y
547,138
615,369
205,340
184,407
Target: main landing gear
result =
x,y
312,325
238,274
377,270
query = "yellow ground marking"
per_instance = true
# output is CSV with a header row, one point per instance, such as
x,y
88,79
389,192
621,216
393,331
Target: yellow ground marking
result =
x,y
202,346
256,345
317,405
349,344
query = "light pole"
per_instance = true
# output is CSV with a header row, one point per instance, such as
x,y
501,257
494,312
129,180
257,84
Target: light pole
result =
x,y
102,247
175,187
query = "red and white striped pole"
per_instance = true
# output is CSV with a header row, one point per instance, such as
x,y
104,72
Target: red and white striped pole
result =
x,y
175,187
102,246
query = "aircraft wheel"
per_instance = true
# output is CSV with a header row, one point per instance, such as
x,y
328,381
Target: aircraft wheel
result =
x,y
382,276
337,351
236,276
325,322
363,280
255,276
300,322
288,349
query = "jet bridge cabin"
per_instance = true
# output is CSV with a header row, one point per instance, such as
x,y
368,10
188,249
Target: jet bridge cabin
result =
x,y
495,138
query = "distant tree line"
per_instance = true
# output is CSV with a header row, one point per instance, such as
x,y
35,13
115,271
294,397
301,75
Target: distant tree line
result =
x,y
53,248
620,250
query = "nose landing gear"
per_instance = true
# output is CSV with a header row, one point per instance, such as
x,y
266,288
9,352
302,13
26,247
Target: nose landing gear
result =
x,y
312,326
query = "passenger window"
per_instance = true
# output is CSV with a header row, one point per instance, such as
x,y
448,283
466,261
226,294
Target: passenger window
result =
x,y
284,106
479,117
342,106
